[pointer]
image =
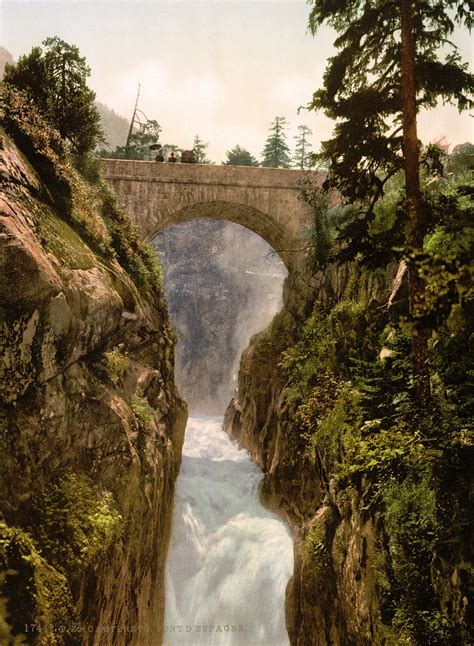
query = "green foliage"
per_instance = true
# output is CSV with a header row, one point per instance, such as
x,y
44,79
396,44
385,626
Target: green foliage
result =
x,y
445,262
139,146
304,361
86,202
350,397
40,143
461,159
55,80
317,545
240,157
320,236
72,197
328,343
414,532
370,450
141,409
386,384
325,435
394,58
88,166
34,592
362,86
78,523
117,364
136,256
276,153
453,366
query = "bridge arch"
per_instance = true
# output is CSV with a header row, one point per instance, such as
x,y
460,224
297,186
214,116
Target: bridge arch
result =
x,y
247,216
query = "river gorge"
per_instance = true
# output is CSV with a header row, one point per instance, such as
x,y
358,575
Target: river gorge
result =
x,y
230,560
123,526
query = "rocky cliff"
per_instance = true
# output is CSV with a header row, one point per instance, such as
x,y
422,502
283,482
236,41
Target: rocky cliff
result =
x,y
91,422
365,497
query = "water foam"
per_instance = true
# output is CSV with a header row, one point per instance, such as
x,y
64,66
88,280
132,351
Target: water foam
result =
x,y
230,559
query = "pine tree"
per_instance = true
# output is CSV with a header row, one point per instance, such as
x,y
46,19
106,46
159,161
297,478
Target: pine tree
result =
x,y
276,153
199,149
303,156
388,67
240,157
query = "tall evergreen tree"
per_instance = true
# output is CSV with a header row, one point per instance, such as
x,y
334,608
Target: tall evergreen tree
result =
x,y
240,157
276,153
56,80
303,154
389,66
199,148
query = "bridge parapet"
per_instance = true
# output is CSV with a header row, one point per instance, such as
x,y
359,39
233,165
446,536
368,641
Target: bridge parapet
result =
x,y
245,176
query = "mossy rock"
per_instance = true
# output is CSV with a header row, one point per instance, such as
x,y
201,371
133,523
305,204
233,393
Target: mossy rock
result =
x,y
39,608
78,523
64,243
317,556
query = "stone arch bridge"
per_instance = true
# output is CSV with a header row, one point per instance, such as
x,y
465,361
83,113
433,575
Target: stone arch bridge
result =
x,y
264,200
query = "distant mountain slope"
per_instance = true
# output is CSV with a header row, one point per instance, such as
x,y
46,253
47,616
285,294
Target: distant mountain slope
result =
x,y
114,126
5,57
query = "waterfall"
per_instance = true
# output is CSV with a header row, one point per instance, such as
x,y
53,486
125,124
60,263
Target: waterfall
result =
x,y
230,559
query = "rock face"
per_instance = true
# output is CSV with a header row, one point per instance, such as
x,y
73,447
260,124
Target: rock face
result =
x,y
88,396
337,603
367,569
222,284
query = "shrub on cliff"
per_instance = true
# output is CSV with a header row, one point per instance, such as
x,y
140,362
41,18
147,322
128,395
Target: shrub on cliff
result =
x,y
78,523
85,201
36,600
353,413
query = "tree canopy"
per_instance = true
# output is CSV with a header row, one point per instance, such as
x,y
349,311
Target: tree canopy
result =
x,y
395,58
276,153
362,84
55,79
240,157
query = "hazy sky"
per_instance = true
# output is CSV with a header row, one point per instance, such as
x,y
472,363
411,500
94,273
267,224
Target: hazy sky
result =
x,y
223,69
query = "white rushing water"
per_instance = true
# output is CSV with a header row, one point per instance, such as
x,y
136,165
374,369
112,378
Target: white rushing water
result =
x,y
230,559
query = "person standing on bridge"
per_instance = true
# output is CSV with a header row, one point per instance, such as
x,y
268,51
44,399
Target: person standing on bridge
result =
x,y
159,153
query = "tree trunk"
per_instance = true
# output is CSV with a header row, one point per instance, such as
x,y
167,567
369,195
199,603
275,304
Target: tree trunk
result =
x,y
415,229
